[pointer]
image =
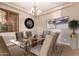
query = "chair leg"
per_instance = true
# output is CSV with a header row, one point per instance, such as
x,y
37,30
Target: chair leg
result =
x,y
57,50
32,54
60,50
54,50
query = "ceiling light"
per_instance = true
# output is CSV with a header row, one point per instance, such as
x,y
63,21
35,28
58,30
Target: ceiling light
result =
x,y
33,11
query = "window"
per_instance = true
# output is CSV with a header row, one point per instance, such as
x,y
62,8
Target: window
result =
x,y
8,21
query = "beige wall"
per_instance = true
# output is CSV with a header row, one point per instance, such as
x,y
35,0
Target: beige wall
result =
x,y
22,16
71,11
42,20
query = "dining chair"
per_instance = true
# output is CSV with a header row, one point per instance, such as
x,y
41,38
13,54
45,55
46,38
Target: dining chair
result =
x,y
45,33
19,38
28,34
4,51
46,48
57,48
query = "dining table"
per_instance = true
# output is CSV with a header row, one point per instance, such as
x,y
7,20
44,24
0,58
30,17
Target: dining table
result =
x,y
31,41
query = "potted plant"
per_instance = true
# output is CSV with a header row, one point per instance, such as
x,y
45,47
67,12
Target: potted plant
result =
x,y
74,24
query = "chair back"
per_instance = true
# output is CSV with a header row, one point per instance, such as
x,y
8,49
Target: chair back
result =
x,y
45,33
49,42
4,51
19,36
28,34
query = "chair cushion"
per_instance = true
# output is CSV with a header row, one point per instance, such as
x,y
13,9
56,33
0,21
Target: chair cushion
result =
x,y
36,50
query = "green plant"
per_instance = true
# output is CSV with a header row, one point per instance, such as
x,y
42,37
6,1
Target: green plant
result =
x,y
74,24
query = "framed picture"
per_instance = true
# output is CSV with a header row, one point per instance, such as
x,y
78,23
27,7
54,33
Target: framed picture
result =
x,y
60,22
9,21
51,24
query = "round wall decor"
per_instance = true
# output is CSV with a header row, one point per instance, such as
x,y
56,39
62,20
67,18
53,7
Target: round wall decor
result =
x,y
29,23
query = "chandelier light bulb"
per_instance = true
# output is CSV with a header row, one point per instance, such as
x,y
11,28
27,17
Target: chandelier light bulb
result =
x,y
39,11
30,12
33,14
32,9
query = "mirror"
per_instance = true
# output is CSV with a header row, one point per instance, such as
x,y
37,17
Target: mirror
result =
x,y
29,23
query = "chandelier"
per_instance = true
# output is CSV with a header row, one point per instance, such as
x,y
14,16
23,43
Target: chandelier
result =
x,y
33,11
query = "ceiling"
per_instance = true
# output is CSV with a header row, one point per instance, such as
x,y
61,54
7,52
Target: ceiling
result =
x,y
43,6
